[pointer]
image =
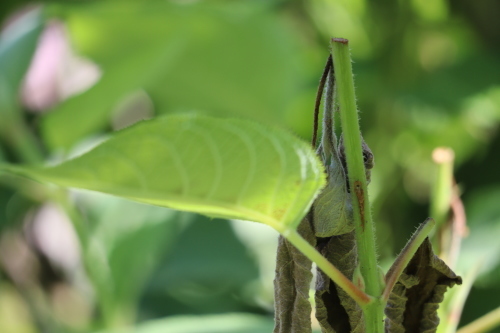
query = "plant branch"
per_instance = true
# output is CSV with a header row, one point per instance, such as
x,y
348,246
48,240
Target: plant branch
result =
x,y
406,255
364,227
333,273
442,191
458,228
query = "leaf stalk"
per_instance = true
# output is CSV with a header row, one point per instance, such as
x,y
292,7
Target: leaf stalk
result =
x,y
333,273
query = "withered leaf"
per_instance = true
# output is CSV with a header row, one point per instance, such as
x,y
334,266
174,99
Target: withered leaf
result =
x,y
292,284
414,301
335,310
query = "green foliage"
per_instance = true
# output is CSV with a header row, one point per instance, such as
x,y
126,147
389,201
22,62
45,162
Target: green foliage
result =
x,y
130,240
218,62
224,168
207,270
426,76
230,323
17,46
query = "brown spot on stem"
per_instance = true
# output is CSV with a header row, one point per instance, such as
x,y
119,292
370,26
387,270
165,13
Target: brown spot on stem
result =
x,y
340,40
361,200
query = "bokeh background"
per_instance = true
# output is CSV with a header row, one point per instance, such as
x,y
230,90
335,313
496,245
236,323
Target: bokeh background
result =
x,y
72,72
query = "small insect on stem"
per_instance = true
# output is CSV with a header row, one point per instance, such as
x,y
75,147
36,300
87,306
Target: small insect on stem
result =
x,y
361,200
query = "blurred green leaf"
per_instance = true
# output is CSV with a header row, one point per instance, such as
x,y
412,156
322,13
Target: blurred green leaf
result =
x,y
17,46
218,167
226,323
231,58
133,238
208,270
483,216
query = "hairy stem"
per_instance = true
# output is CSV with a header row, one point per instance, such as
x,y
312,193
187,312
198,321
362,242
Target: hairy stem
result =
x,y
364,227
406,255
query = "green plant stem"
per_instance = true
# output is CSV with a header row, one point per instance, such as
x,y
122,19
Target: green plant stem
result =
x,y
25,143
340,279
406,255
442,191
364,228
484,323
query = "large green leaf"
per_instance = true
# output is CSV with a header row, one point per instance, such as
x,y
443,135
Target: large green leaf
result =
x,y
218,167
207,270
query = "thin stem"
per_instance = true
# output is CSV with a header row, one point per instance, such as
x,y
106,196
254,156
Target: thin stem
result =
x,y
364,227
22,140
93,264
458,229
484,323
405,256
442,191
15,131
333,273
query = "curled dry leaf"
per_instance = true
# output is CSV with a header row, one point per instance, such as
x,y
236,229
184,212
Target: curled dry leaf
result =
x,y
414,301
291,284
335,310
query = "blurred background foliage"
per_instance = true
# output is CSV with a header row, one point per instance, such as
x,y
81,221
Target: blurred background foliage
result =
x,y
71,72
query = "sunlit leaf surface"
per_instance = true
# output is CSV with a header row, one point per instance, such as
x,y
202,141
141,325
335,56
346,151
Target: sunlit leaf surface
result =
x,y
225,168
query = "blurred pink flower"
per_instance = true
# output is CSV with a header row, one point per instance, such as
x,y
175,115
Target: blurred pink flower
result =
x,y
56,73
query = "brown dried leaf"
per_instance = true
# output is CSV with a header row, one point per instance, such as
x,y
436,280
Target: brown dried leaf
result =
x,y
414,301
292,283
335,310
